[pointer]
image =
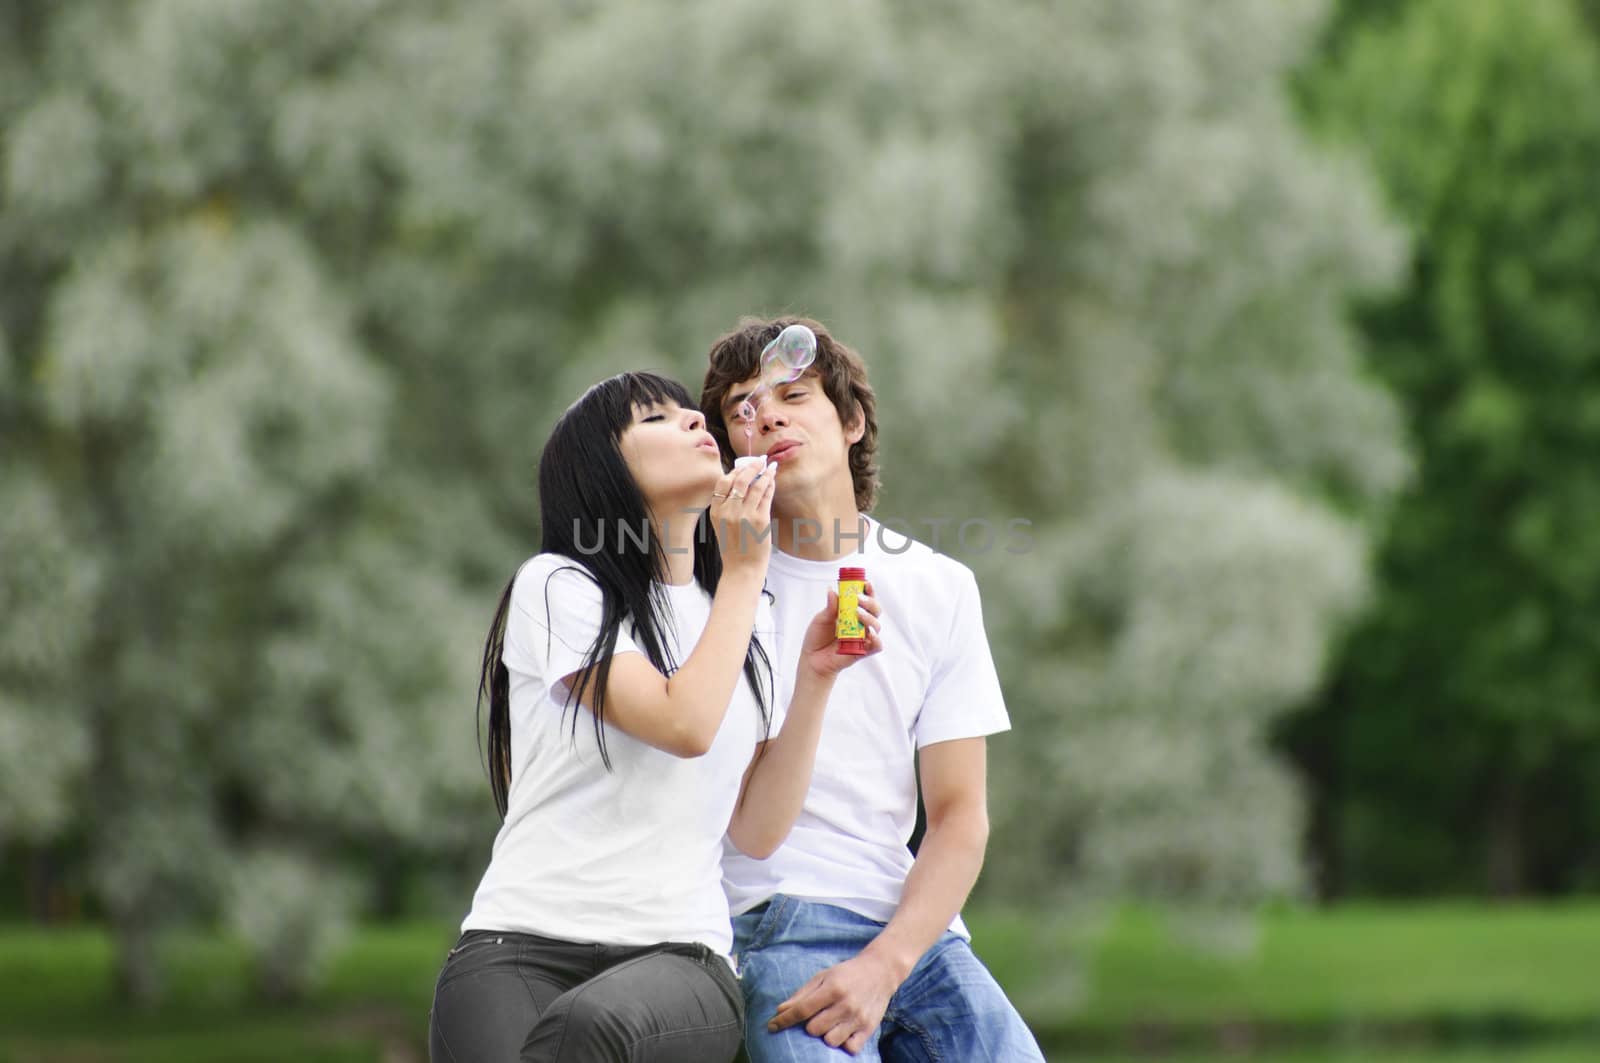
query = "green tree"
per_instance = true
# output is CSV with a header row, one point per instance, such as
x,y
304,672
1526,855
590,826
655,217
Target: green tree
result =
x,y
1460,728
233,618
1195,433
299,287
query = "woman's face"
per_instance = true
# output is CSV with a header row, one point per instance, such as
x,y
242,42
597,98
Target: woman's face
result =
x,y
672,457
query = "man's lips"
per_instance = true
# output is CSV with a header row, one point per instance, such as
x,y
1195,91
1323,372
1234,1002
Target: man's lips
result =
x,y
781,451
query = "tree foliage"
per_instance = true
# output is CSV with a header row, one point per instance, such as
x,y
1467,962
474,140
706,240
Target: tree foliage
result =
x,y
295,289
1469,696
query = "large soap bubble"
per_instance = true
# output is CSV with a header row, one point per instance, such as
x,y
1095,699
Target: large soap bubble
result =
x,y
783,361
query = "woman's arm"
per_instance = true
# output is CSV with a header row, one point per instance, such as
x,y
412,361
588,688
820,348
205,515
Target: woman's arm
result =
x,y
779,775
682,715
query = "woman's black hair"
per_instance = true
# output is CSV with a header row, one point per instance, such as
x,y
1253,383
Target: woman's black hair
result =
x,y
585,492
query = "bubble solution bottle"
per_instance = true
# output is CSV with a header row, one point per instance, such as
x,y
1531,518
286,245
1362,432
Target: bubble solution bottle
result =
x,y
847,627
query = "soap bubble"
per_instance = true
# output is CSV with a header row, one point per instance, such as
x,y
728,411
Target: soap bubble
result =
x,y
783,361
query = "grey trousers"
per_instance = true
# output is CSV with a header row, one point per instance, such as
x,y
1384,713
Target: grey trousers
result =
x,y
504,996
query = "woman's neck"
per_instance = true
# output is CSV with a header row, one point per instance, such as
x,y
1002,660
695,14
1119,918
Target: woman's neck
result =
x,y
676,535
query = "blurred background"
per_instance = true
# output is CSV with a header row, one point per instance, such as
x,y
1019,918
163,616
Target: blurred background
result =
x,y
1278,320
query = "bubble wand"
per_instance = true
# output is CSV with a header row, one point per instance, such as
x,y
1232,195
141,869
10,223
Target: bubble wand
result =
x,y
782,361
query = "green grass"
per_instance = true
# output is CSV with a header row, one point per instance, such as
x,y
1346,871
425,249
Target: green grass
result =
x,y
1369,962
1390,983
245,1044
1372,963
1570,1053
1451,975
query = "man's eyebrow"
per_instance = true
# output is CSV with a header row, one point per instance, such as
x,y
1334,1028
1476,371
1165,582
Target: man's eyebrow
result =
x,y
735,397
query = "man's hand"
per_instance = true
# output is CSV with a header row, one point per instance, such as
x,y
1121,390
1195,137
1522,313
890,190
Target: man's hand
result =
x,y
819,648
844,1004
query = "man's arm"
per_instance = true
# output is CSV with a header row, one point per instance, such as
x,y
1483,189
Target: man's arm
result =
x,y
845,1003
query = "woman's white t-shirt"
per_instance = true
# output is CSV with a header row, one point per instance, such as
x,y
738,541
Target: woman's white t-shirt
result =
x,y
630,856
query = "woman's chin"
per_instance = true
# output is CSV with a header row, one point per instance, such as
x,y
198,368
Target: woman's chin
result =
x,y
698,495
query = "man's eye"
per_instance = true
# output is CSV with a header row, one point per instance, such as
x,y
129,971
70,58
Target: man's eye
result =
x,y
798,393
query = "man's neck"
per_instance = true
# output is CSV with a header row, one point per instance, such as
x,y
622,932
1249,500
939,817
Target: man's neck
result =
x,y
818,529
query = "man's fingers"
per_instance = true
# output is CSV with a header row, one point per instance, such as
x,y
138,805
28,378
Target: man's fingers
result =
x,y
806,1002
867,609
826,614
857,1042
788,1013
832,1024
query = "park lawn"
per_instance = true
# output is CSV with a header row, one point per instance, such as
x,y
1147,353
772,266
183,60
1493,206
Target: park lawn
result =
x,y
250,1043
1369,963
1573,1052
1429,983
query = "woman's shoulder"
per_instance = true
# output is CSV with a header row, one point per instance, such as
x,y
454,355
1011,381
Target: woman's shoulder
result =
x,y
544,573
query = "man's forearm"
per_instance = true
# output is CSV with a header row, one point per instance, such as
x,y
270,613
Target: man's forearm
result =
x,y
946,868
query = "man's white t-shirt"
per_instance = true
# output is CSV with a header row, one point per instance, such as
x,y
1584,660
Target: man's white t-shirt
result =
x,y
630,856
933,682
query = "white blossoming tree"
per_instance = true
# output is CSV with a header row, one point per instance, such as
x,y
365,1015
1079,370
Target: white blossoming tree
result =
x,y
294,290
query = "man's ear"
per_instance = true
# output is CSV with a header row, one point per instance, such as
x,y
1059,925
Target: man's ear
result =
x,y
856,428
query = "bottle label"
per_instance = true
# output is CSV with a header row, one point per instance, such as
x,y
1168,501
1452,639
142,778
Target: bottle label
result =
x,y
849,625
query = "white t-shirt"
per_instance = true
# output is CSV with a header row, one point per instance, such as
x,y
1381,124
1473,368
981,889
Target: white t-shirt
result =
x,y
934,681
630,856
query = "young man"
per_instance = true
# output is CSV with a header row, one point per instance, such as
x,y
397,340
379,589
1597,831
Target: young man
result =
x,y
844,940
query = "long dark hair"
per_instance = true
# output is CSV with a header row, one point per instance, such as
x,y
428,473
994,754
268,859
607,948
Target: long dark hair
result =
x,y
586,489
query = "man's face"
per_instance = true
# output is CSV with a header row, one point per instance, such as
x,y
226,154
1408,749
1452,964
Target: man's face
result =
x,y
796,426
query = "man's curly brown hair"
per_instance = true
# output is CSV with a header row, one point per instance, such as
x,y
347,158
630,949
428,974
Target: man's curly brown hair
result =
x,y
736,357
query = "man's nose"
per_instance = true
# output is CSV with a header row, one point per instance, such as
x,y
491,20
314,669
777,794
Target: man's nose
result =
x,y
771,416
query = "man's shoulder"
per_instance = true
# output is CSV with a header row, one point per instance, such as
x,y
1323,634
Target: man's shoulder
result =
x,y
897,554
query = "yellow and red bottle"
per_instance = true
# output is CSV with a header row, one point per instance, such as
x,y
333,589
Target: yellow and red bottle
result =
x,y
848,628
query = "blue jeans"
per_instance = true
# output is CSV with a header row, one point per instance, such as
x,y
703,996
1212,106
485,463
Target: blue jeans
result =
x,y
950,1009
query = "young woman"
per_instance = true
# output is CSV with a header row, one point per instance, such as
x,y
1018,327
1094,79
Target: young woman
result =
x,y
630,728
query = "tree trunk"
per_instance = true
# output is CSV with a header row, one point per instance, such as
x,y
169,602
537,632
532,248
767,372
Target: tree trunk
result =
x,y
138,968
1506,847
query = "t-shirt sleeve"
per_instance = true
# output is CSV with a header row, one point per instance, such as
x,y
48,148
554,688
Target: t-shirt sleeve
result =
x,y
964,698
555,614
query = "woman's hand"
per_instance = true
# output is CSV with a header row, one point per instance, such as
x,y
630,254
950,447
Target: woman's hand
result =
x,y
741,515
819,649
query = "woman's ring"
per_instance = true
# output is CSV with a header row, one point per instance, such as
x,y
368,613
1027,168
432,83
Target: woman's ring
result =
x,y
736,494
716,495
